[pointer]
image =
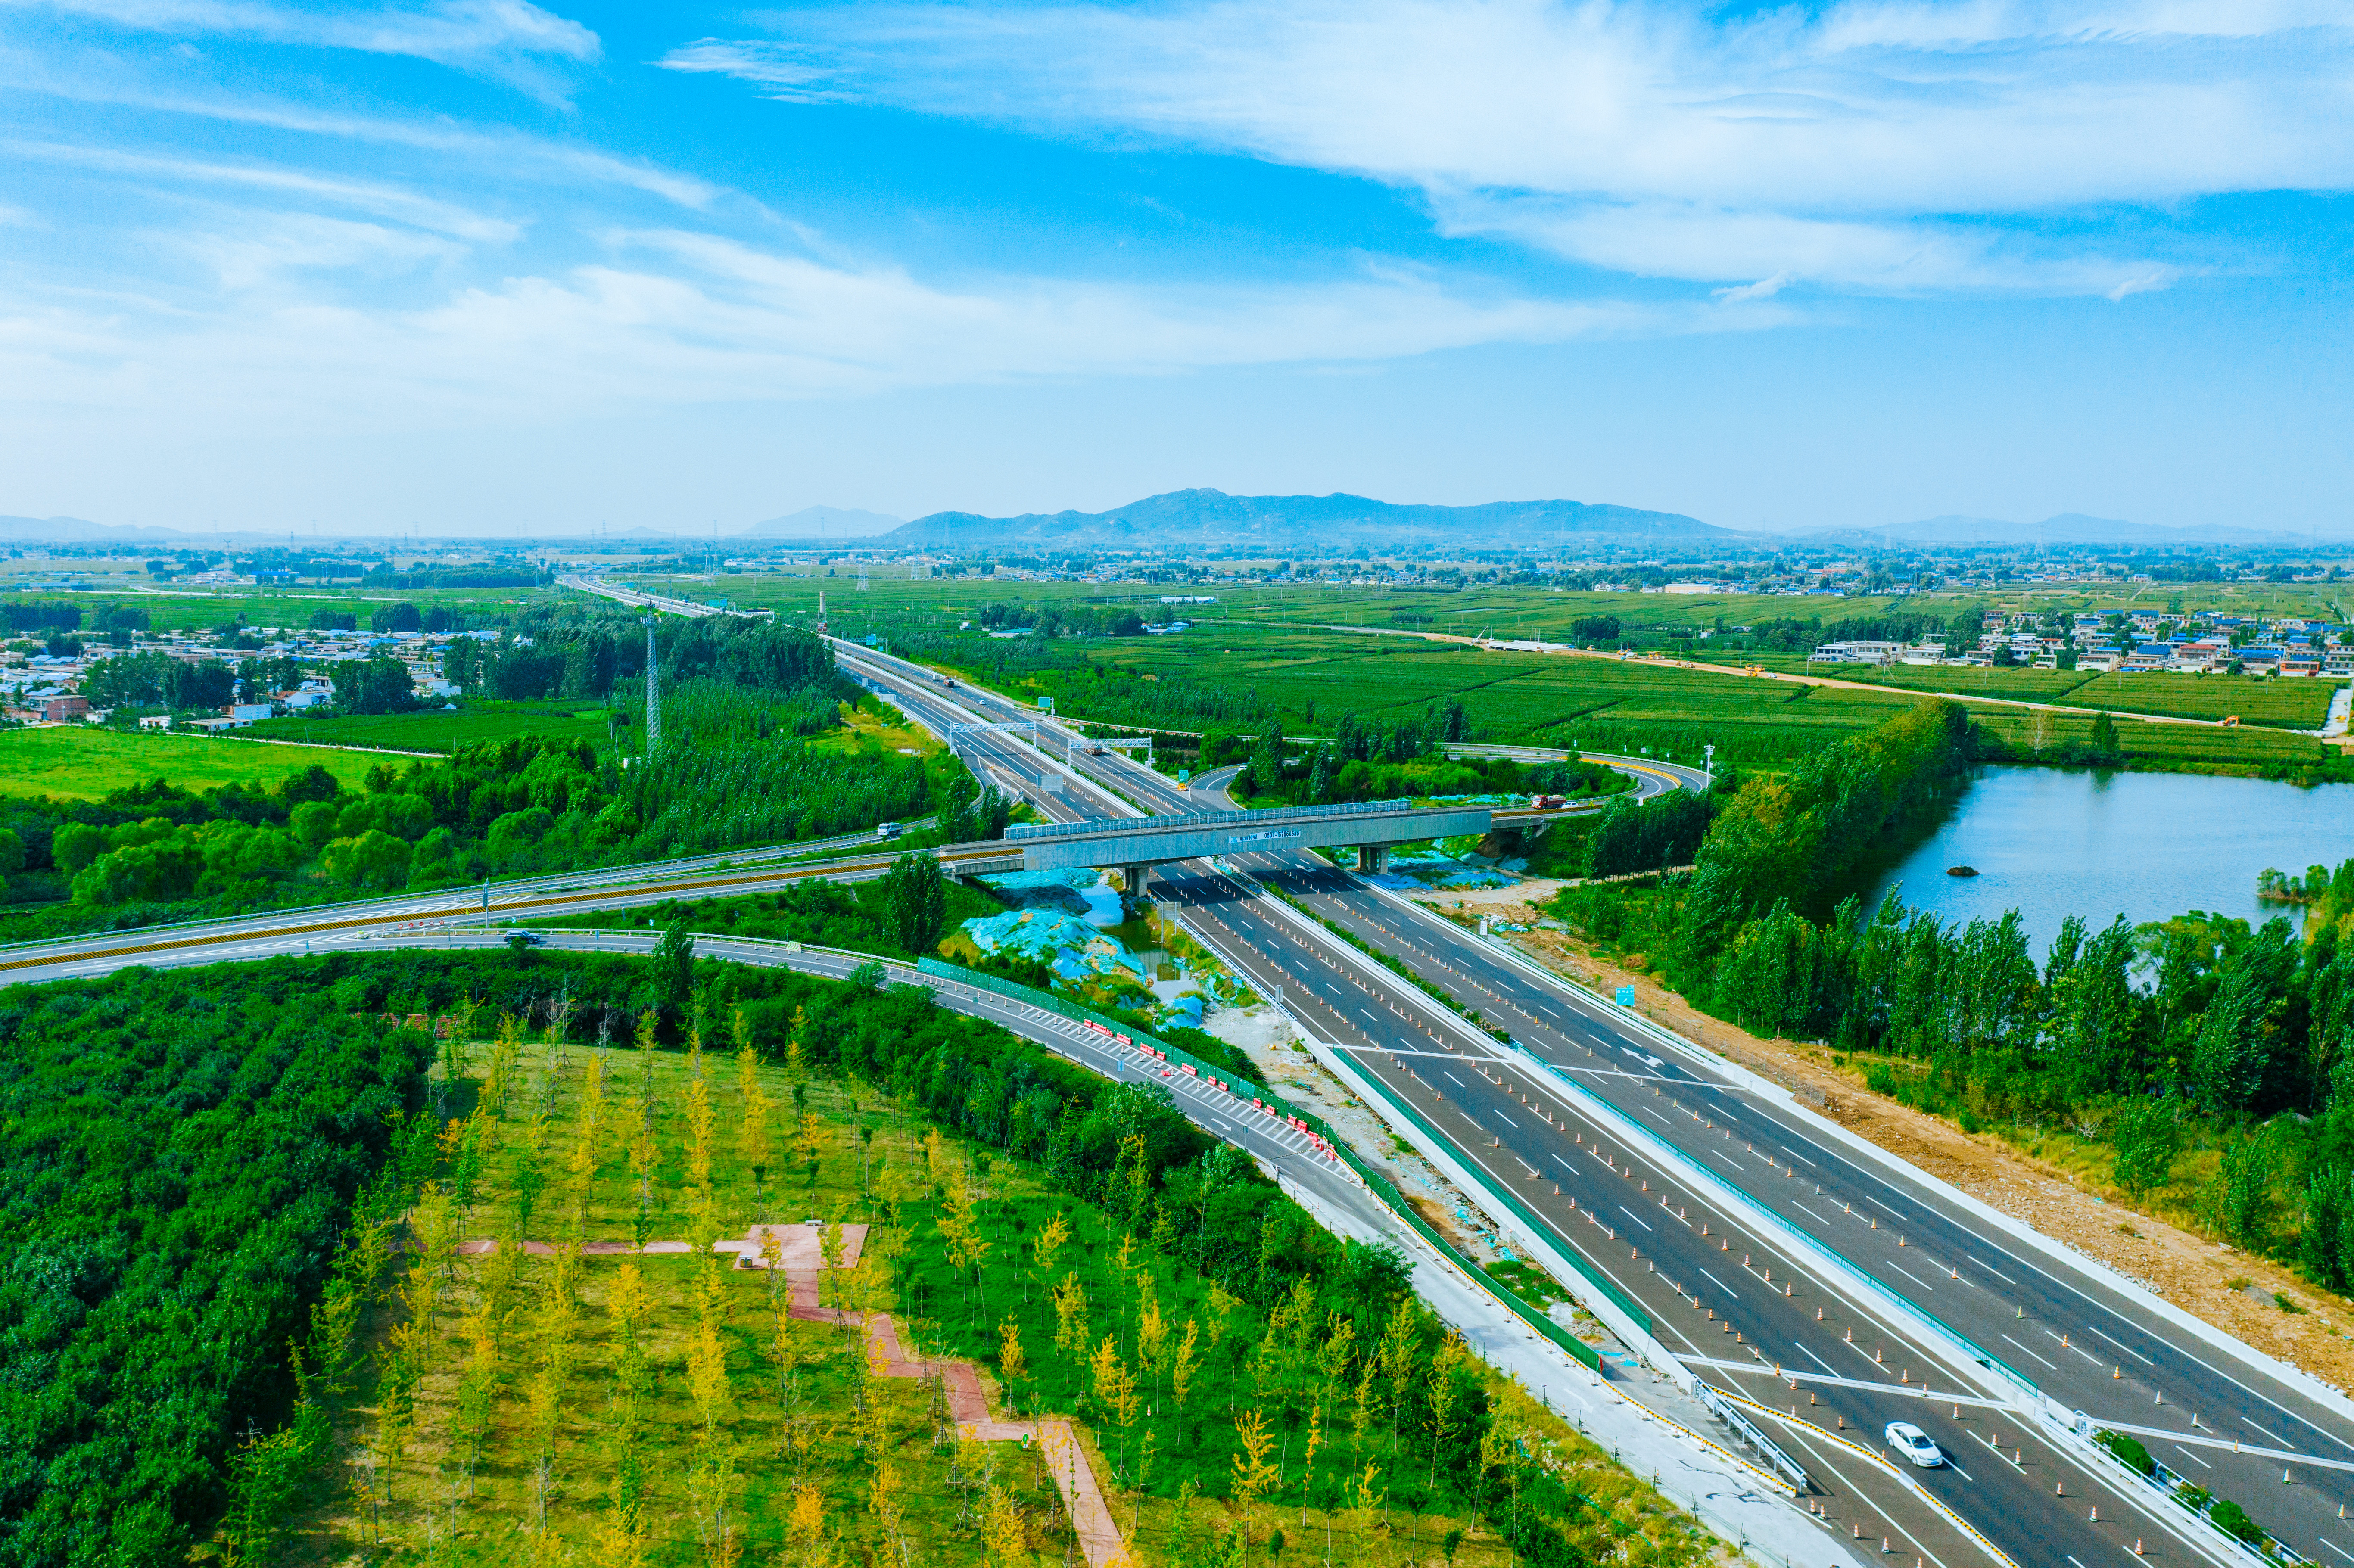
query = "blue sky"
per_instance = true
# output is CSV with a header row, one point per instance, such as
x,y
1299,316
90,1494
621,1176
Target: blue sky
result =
x,y
479,264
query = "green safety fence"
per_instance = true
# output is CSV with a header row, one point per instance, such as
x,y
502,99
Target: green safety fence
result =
x,y
1378,1184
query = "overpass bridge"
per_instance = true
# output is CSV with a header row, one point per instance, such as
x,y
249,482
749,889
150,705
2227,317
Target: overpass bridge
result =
x,y
1134,846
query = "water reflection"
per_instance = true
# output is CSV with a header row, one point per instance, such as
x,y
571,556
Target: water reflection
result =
x,y
2052,842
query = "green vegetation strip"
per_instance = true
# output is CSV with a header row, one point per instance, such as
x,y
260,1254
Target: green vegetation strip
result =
x,y
1380,1185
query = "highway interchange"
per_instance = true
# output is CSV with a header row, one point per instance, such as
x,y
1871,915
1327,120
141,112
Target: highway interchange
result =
x,y
1761,1248
1752,1293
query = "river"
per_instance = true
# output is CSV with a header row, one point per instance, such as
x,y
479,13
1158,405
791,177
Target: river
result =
x,y
2052,842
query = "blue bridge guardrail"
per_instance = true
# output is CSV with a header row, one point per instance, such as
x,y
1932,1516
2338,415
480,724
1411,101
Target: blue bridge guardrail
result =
x,y
1178,823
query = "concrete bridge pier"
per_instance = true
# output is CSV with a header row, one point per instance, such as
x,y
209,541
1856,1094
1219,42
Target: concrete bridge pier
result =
x,y
1132,879
1372,859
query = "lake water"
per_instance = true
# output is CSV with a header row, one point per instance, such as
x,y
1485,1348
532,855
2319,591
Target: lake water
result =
x,y
2052,842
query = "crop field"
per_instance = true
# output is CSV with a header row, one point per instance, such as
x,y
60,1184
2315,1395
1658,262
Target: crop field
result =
x,y
562,1403
2161,746
75,763
1499,611
202,609
482,718
1960,679
2284,705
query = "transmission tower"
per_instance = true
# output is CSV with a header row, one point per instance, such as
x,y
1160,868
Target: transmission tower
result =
x,y
654,688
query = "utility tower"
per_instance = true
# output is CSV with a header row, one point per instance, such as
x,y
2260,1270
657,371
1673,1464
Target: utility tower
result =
x,y
821,612
654,688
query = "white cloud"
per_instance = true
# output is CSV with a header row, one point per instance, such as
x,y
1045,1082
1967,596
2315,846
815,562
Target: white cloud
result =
x,y
387,201
512,39
449,31
1878,147
264,249
677,318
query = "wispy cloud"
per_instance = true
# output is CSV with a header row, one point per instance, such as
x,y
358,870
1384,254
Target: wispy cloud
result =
x,y
510,38
676,318
389,201
1872,146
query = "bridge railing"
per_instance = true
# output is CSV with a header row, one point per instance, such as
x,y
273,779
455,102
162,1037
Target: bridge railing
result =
x,y
1226,819
1375,1183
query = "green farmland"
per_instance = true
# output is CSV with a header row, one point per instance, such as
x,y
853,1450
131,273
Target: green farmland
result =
x,y
436,730
2280,704
78,764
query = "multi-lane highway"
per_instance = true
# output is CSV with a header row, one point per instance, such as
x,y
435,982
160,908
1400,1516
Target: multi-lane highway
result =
x,y
1773,1255
1750,1244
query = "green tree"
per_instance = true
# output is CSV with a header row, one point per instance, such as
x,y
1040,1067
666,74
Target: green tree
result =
x,y
2147,1138
674,965
2228,1057
2326,1243
2239,1201
1266,760
917,897
2104,741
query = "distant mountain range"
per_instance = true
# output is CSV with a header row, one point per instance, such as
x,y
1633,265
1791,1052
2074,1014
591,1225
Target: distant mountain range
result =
x,y
80,531
2066,528
818,523
1319,524
1309,525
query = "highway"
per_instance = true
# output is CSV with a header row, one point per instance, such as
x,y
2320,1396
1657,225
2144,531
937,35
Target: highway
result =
x,y
1771,1255
1713,1272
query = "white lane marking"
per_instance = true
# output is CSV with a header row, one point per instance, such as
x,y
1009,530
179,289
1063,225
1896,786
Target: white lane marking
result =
x,y
2203,1465
1804,1210
2054,1365
1796,1155
1975,1263
1720,1284
1631,1214
1914,1277
1729,1160
1819,1361
1508,1121
2121,1345
1455,1081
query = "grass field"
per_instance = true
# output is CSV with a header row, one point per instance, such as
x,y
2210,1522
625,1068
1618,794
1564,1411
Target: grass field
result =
x,y
2282,704
511,1399
80,764
435,730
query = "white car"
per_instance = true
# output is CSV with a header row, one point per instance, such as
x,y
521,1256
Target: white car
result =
x,y
1914,1444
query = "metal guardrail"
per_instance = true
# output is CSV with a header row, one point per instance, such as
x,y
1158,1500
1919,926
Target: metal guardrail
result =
x,y
1915,1487
1375,1183
1209,818
1722,1408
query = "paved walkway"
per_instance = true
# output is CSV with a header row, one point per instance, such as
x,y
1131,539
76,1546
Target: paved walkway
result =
x,y
799,1253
